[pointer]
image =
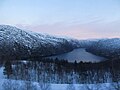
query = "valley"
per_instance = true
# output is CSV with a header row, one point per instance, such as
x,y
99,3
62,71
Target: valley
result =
x,y
30,57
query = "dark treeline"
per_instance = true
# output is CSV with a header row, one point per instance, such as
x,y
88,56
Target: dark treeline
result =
x,y
48,70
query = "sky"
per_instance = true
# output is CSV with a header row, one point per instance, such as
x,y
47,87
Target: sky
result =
x,y
81,19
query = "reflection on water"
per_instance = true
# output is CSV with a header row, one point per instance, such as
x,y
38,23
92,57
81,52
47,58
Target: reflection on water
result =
x,y
79,55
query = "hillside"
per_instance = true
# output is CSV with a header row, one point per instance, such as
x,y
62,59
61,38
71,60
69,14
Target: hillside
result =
x,y
16,43
109,48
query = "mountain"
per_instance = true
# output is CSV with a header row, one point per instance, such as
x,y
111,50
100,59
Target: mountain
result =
x,y
109,48
16,44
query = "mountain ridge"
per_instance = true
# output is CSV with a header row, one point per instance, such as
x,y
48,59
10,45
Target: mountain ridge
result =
x,y
15,42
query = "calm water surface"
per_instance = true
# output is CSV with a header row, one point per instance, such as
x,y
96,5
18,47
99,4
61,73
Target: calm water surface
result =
x,y
79,55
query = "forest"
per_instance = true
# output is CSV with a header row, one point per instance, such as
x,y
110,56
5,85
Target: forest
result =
x,y
47,70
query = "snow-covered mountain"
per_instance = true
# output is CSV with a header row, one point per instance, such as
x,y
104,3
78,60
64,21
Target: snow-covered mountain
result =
x,y
15,42
13,34
106,47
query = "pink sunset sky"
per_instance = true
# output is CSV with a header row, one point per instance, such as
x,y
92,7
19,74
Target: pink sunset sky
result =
x,y
78,31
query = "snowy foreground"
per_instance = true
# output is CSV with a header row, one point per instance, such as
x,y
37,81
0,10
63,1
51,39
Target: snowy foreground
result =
x,y
22,85
9,84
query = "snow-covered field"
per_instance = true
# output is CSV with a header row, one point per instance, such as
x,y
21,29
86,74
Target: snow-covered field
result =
x,y
22,85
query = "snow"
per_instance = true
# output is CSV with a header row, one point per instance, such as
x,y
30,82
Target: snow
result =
x,y
28,38
1,72
111,43
10,35
107,47
9,84
19,85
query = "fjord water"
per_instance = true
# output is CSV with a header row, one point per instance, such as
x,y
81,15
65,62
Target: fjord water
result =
x,y
79,54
